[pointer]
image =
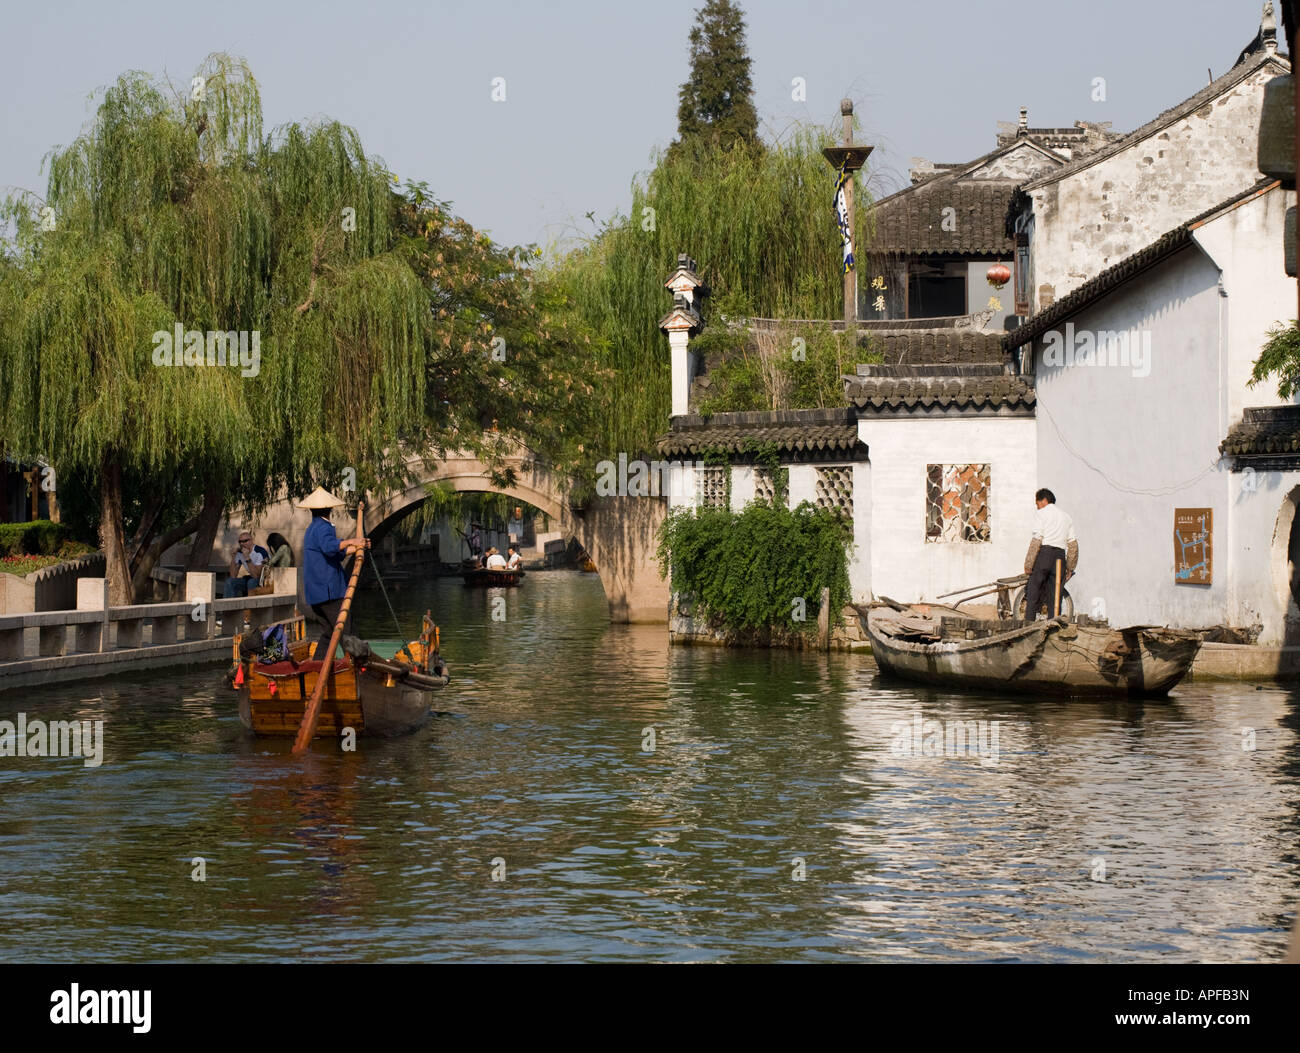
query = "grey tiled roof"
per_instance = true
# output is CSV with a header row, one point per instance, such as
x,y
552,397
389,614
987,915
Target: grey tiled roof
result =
x,y
910,222
798,434
973,389
1264,430
955,346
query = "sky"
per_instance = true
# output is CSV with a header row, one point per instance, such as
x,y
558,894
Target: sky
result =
x,y
591,87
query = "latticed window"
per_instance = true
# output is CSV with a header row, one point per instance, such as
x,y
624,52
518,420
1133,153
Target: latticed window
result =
x,y
711,487
835,490
957,502
769,488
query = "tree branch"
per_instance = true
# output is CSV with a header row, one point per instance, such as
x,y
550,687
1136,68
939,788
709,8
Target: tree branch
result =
x,y
316,252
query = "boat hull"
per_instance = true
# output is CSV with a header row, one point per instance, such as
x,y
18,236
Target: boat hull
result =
x,y
492,579
373,702
1044,657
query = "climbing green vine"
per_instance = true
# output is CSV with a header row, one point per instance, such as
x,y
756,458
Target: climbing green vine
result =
x,y
759,568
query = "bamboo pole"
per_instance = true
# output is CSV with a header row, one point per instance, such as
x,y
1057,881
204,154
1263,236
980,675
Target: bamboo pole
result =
x,y
310,717
1057,613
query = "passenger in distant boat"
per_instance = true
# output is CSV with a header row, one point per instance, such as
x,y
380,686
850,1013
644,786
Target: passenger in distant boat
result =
x,y
495,561
324,583
513,562
246,561
1053,545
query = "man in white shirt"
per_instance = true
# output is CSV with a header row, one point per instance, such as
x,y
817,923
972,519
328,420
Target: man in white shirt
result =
x,y
245,566
1052,546
513,562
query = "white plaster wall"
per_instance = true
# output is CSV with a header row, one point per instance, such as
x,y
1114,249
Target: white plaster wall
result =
x,y
1121,452
742,487
1246,244
681,491
803,485
1021,163
860,557
1261,511
1095,217
903,565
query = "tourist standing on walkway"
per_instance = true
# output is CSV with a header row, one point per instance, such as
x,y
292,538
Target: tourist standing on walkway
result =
x,y
1052,546
324,583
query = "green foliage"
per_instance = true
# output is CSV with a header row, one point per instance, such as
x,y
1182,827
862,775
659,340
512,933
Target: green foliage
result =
x,y
759,223
737,382
375,311
791,366
460,508
177,211
509,356
1280,355
716,105
745,569
40,537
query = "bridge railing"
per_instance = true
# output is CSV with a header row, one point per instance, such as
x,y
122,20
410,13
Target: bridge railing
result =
x,y
97,628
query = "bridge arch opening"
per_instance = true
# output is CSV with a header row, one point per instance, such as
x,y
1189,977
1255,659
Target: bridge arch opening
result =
x,y
428,523
620,534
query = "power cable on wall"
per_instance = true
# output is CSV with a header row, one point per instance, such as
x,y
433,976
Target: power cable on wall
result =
x,y
1163,491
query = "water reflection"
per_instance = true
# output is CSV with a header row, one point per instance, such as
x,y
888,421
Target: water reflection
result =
x,y
771,821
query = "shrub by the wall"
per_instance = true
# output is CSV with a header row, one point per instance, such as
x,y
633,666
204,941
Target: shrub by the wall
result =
x,y
746,570
37,538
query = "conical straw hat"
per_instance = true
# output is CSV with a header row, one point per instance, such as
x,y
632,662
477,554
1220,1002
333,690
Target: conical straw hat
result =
x,y
320,498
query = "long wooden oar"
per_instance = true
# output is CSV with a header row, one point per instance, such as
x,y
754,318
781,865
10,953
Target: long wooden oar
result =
x,y
307,729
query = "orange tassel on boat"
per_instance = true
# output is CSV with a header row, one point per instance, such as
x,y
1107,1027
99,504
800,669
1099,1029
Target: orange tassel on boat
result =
x,y
239,676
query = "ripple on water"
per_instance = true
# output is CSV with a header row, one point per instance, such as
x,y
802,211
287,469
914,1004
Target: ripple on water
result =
x,y
771,821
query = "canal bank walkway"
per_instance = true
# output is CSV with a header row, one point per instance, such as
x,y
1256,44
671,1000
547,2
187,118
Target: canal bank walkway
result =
x,y
94,639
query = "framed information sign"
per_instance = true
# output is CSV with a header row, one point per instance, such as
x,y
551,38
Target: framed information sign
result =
x,y
1193,546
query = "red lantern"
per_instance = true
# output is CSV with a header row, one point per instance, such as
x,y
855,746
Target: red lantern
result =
x,y
999,274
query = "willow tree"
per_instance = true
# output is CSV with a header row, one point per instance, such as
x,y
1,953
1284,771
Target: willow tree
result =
x,y
759,222
172,213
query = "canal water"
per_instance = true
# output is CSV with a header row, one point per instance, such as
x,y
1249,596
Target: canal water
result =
x,y
587,793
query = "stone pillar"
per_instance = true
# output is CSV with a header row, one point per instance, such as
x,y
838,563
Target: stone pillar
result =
x,y
285,585
286,581
679,323
683,363
92,595
201,588
17,595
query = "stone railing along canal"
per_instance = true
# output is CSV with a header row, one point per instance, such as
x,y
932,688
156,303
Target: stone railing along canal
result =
x,y
95,639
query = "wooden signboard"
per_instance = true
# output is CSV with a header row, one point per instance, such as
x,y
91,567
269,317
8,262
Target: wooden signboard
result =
x,y
1193,543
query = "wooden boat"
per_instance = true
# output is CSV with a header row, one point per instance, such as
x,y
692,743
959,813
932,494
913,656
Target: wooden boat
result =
x,y
1064,656
374,696
482,578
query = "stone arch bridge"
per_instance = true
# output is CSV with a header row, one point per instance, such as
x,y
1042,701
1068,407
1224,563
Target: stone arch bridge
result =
x,y
619,533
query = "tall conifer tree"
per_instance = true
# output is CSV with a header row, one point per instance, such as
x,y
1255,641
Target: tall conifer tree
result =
x,y
716,105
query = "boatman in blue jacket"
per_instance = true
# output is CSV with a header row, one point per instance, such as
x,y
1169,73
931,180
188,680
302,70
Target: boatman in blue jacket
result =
x,y
323,554
1053,550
